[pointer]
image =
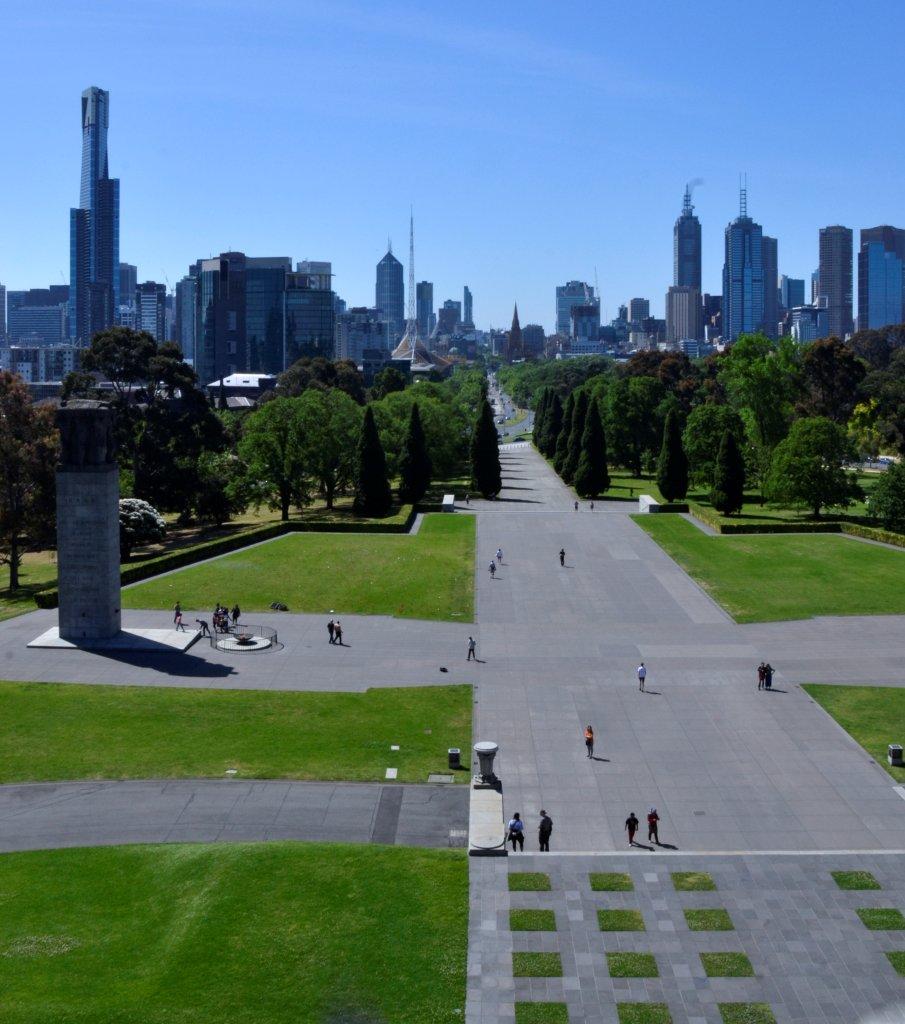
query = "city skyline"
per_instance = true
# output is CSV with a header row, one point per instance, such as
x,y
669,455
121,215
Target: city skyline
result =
x,y
281,195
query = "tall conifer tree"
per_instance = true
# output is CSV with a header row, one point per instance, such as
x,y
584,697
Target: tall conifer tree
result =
x,y
552,426
485,454
573,452
728,493
540,412
672,466
592,477
372,495
415,465
562,441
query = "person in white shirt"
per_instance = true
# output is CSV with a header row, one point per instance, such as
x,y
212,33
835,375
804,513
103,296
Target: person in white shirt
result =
x,y
642,675
516,834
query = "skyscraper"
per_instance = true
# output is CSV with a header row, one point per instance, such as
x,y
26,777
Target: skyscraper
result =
x,y
94,228
638,310
390,295
424,291
128,282
791,292
743,275
2,312
574,293
467,307
686,247
185,315
770,256
835,278
150,308
684,314
881,277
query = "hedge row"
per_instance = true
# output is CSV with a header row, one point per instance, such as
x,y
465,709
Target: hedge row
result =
x,y
669,506
399,523
711,518
874,533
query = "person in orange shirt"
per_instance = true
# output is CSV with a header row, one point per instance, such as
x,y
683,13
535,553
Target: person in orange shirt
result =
x,y
589,740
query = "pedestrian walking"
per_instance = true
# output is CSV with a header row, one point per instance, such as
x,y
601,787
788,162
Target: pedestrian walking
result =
x,y
499,555
177,616
642,675
472,656
331,629
492,568
235,613
467,498
562,556
653,820
761,675
576,506
516,834
544,830
592,506
631,826
768,676
589,740
338,633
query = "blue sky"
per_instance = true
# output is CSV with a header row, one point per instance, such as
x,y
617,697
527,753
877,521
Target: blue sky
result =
x,y
534,140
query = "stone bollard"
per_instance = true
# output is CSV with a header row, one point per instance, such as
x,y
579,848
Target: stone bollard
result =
x,y
486,752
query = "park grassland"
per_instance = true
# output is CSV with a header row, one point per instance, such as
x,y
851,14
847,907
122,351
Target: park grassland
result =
x,y
771,577
270,933
874,716
429,575
51,732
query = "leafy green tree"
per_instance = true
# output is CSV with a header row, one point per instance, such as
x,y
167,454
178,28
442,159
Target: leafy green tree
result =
x,y
372,496
446,423
592,477
576,433
832,375
330,425
221,491
274,451
415,465
887,389
322,374
388,380
139,523
122,356
807,467
728,492
887,500
562,440
29,444
672,466
486,472
552,426
703,435
635,415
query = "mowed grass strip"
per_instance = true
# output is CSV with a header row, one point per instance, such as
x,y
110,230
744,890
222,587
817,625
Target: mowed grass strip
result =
x,y
726,965
855,880
643,1013
882,919
529,881
536,965
767,578
632,965
611,881
532,921
746,1013
693,881
541,1013
712,919
52,731
873,716
426,576
269,933
620,921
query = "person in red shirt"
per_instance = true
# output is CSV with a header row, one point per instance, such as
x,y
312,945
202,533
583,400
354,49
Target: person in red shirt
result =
x,y
653,820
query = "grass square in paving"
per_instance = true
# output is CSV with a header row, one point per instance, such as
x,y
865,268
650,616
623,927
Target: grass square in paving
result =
x,y
529,881
855,880
897,959
532,921
611,881
632,965
620,920
536,965
880,919
541,1013
712,919
692,881
643,1013
727,965
746,1013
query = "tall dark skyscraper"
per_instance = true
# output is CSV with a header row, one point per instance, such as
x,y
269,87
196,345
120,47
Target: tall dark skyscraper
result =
x,y
743,275
770,254
881,277
835,278
390,296
686,247
467,307
424,307
94,228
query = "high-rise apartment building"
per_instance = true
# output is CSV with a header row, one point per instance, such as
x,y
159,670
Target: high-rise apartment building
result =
x,y
38,316
638,310
185,316
573,293
881,277
467,307
770,256
791,291
151,309
584,329
743,275
389,296
264,280
686,247
2,312
424,307
834,278
684,314
449,317
309,314
94,228
360,330
128,282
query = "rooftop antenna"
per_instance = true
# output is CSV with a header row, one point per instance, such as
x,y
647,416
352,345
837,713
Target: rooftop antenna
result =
x,y
743,195
411,296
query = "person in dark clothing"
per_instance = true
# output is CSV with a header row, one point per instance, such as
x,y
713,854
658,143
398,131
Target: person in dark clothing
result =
x,y
761,675
653,820
768,676
631,826
589,740
516,834
236,612
203,626
562,556
331,629
544,830
338,633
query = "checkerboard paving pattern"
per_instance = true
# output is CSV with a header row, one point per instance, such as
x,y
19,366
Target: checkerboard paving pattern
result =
x,y
814,961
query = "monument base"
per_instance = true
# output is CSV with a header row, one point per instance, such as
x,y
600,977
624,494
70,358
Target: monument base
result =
x,y
160,641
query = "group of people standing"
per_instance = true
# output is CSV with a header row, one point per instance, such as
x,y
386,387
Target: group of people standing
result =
x,y
765,676
221,619
515,833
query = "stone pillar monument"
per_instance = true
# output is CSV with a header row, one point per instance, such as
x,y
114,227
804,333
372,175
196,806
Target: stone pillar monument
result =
x,y
88,524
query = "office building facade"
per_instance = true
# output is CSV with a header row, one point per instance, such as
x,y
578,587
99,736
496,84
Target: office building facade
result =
x,y
2,312
94,228
38,316
424,307
684,314
389,296
791,291
810,322
467,307
573,293
743,276
151,309
185,316
534,340
360,330
309,315
686,247
585,329
770,256
449,317
834,279
881,284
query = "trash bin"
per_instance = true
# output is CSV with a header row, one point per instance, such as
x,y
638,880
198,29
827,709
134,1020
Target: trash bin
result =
x,y
455,757
894,754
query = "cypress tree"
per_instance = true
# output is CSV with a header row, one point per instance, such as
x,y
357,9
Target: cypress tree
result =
x,y
672,466
728,493
372,495
573,452
415,465
562,441
540,412
552,426
485,454
591,475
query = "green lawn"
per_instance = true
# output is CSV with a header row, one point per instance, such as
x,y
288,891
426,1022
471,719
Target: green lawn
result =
x,y
632,965
611,881
713,919
529,881
620,920
855,880
693,881
426,576
536,965
882,919
532,921
872,715
726,965
792,576
51,731
270,933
